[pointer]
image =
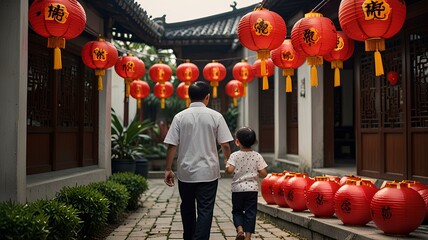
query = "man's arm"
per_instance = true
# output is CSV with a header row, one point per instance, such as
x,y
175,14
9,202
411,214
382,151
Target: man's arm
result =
x,y
169,174
225,148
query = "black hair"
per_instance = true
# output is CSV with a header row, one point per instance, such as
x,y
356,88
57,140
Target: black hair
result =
x,y
198,90
246,136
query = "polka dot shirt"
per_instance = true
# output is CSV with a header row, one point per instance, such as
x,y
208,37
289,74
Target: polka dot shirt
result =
x,y
247,164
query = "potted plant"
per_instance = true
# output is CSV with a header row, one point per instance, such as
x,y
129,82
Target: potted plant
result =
x,y
126,144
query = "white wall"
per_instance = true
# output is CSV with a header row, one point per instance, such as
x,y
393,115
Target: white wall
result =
x,y
118,97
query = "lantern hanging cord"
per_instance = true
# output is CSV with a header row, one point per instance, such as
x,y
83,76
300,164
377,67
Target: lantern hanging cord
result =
x,y
263,3
320,5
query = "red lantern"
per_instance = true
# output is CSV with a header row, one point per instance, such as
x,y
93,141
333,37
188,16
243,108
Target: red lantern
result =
x,y
343,51
392,77
262,31
163,91
99,55
278,189
160,72
352,202
372,22
270,68
314,36
183,92
235,90
214,72
295,189
424,195
187,72
267,187
288,59
320,197
396,209
130,68
244,72
57,20
139,90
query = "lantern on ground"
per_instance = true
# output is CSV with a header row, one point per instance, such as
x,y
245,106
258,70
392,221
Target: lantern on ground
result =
x,y
139,90
214,72
295,189
99,55
262,31
424,195
320,196
244,72
163,91
130,68
278,189
57,20
267,187
343,51
288,59
187,72
270,68
397,209
372,22
314,36
183,92
160,72
352,202
235,90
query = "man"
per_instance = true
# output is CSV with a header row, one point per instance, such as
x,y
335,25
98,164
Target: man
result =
x,y
195,133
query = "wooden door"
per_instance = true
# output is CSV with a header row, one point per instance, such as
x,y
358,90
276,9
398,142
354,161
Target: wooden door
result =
x,y
292,120
266,117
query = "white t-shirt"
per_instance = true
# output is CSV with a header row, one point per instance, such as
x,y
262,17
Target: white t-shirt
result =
x,y
247,164
197,131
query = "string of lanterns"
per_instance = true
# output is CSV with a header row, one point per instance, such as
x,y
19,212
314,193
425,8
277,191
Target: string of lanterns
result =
x,y
313,37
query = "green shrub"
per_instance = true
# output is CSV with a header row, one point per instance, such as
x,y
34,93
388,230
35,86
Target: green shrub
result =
x,y
93,207
134,183
22,222
63,219
118,196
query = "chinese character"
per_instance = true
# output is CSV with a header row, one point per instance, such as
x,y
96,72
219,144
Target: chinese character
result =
x,y
376,10
310,36
129,67
262,27
287,56
56,12
386,212
346,206
320,199
290,195
99,54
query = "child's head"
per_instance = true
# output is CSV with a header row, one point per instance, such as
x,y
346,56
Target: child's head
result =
x,y
246,136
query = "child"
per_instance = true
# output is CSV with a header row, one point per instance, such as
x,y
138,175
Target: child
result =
x,y
247,166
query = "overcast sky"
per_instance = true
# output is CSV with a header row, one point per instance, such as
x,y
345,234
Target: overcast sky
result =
x,y
183,10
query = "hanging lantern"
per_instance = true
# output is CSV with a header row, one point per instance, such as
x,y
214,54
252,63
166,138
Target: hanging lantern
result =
x,y
270,68
130,68
295,189
160,72
288,59
320,196
235,90
352,202
267,187
372,22
262,31
139,90
314,36
187,72
397,209
183,92
343,51
99,55
163,91
214,72
244,72
57,20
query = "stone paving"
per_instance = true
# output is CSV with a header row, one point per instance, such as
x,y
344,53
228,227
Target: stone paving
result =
x,y
159,217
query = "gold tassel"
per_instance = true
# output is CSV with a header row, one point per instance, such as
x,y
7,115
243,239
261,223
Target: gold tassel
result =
x,y
235,102
163,103
245,84
376,45
288,87
139,103
336,77
314,61
56,43
128,86
214,84
263,55
100,73
288,72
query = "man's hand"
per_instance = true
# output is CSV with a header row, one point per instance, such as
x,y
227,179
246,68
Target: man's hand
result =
x,y
169,178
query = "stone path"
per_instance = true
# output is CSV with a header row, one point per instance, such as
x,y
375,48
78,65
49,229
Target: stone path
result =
x,y
159,217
